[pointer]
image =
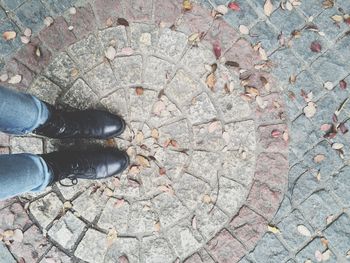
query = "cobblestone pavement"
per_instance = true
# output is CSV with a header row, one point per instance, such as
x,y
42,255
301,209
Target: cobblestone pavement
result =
x,y
214,94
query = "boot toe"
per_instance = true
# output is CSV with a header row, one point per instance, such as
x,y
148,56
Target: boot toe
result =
x,y
117,163
113,126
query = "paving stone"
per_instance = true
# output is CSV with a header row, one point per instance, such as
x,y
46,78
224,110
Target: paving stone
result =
x,y
241,52
207,139
340,188
169,114
4,139
105,9
5,255
123,247
246,15
139,10
191,190
92,247
144,37
13,68
172,44
113,36
270,249
287,21
177,131
140,103
241,135
182,88
311,8
83,22
183,240
56,254
13,4
131,76
28,55
67,230
170,209
209,218
88,49
59,6
304,185
2,14
14,217
156,250
318,207
7,47
195,56
46,209
248,227
309,252
45,90
225,248
157,71
62,71
142,218
32,14
115,216
116,103
33,248
26,145
201,109
289,228
337,234
263,32
80,96
101,79
230,195
57,36
271,143
167,11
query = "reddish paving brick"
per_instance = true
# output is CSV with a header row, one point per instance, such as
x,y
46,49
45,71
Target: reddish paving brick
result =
x,y
248,227
138,10
13,217
194,259
259,79
273,138
222,33
105,9
4,139
167,11
264,200
28,55
272,169
242,53
4,150
273,110
83,21
225,248
57,36
14,67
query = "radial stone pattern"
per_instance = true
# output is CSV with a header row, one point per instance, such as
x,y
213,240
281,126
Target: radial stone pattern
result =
x,y
208,162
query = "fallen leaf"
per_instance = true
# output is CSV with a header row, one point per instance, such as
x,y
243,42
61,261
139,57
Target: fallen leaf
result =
x,y
48,21
155,134
234,6
343,128
157,226
276,133
316,47
187,5
110,53
347,21
206,199
27,32
15,79
109,22
343,84
285,136
139,91
70,28
67,205
252,91
337,146
122,22
25,40
194,222
273,229
268,7
17,235
244,30
222,9
194,38
143,161
337,18
310,109
111,236
214,126
318,256
166,189
38,52
326,127
134,170
72,10
123,259
8,35
127,51
162,171
328,4
328,85
303,230
4,77
217,50
158,107
74,72
326,255
232,64
211,81
119,203
319,158
139,137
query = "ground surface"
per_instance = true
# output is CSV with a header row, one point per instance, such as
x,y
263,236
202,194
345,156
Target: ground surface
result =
x,y
217,107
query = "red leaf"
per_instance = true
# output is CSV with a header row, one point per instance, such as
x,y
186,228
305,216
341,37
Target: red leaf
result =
x,y
334,118
316,47
276,133
217,50
347,21
234,6
343,84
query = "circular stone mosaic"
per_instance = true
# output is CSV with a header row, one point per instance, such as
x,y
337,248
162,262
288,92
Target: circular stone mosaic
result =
x,y
193,135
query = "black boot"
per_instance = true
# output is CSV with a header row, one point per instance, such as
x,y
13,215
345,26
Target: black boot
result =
x,y
81,124
91,165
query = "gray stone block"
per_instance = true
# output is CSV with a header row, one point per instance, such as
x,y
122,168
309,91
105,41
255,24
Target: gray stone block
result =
x,y
338,234
32,14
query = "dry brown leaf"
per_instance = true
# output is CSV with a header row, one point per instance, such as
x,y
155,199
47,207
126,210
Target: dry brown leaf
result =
x,y
155,134
303,230
15,79
139,137
25,40
310,109
337,146
158,107
9,35
319,158
143,161
139,91
110,53
211,81
244,30
338,18
214,126
134,170
206,199
252,91
27,32
222,9
157,226
268,7
48,21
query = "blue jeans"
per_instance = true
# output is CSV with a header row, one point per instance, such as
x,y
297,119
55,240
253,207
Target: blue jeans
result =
x,y
20,173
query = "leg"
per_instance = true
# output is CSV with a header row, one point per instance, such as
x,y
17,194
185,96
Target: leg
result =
x,y
20,113
22,173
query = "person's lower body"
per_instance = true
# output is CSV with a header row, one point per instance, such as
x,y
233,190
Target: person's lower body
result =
x,y
23,113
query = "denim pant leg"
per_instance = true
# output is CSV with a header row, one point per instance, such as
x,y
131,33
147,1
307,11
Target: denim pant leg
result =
x,y
22,173
20,113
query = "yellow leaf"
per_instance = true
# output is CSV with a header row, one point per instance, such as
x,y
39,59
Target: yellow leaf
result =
x,y
187,5
273,229
141,160
8,35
